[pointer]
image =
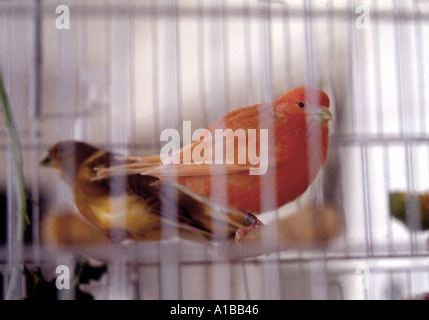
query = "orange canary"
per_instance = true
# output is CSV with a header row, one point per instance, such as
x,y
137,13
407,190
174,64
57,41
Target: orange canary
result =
x,y
298,138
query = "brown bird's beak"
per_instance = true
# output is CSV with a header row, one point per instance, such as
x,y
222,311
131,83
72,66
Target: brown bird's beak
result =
x,y
46,161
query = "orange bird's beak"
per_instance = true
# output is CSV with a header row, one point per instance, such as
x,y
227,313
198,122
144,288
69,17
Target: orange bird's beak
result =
x,y
320,114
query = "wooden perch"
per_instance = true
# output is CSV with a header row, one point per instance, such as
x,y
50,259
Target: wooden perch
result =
x,y
307,227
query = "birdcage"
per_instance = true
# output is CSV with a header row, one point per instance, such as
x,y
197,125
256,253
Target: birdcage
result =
x,y
117,73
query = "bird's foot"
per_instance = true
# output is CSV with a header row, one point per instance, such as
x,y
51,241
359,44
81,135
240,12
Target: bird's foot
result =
x,y
117,236
242,232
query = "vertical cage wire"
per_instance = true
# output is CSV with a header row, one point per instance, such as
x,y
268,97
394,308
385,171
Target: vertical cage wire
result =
x,y
125,71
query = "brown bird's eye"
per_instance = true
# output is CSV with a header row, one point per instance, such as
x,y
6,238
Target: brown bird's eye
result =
x,y
301,104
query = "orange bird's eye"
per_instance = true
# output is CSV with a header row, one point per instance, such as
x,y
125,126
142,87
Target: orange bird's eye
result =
x,y
301,104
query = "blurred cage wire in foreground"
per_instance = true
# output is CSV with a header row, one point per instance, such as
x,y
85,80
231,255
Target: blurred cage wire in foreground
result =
x,y
125,70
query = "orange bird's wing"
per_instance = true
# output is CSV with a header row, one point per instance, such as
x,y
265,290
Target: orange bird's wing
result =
x,y
252,117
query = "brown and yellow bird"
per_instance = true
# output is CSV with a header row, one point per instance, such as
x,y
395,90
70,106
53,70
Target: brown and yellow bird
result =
x,y
139,207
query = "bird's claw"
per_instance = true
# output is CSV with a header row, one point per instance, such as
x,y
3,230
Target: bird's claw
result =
x,y
242,232
117,236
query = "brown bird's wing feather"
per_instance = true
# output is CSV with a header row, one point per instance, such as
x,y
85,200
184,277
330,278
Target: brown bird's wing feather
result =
x,y
173,203
182,205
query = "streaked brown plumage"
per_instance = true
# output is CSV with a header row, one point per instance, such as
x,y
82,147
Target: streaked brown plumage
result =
x,y
141,206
